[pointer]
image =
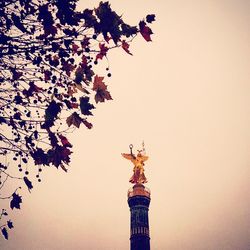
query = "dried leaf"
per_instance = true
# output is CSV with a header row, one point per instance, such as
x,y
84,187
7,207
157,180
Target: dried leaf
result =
x,y
86,106
16,201
28,183
103,51
75,48
59,155
74,119
80,87
101,90
15,74
150,18
65,141
87,124
32,89
10,224
47,75
125,46
63,168
85,42
40,157
68,67
145,31
51,113
71,91
5,233
98,83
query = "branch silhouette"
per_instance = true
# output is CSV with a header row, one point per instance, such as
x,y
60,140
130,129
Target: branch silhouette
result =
x,y
50,55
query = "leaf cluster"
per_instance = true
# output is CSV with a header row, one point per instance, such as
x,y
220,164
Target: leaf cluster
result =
x,y
49,85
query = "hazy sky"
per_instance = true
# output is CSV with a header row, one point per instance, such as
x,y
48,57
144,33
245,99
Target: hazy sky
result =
x,y
187,95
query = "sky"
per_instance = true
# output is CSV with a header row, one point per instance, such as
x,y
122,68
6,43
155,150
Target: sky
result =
x,y
187,95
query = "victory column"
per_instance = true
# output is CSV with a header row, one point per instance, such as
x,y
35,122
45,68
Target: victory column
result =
x,y
138,201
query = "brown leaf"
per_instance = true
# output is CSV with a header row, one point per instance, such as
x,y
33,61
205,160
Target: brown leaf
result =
x,y
74,105
102,95
145,31
84,61
85,42
75,48
47,75
103,51
59,155
15,74
33,88
80,87
87,124
71,91
86,106
63,168
50,30
98,83
68,67
125,46
65,141
74,119
101,90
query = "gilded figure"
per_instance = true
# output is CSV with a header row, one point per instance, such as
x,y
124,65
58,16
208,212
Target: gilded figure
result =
x,y
138,176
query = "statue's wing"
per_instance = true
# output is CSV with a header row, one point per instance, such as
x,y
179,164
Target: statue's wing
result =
x,y
128,156
144,157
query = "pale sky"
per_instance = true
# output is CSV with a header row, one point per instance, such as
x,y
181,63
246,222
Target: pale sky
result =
x,y
187,95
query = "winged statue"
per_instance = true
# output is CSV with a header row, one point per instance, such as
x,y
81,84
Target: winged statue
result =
x,y
138,176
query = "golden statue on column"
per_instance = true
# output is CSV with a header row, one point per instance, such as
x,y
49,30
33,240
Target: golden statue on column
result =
x,y
138,177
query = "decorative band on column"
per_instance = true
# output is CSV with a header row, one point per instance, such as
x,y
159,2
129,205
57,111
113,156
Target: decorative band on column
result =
x,y
139,230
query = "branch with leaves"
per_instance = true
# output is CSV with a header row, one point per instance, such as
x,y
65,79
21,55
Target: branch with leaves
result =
x,y
49,85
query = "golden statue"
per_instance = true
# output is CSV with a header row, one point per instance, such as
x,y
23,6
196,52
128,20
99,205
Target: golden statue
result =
x,y
138,177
